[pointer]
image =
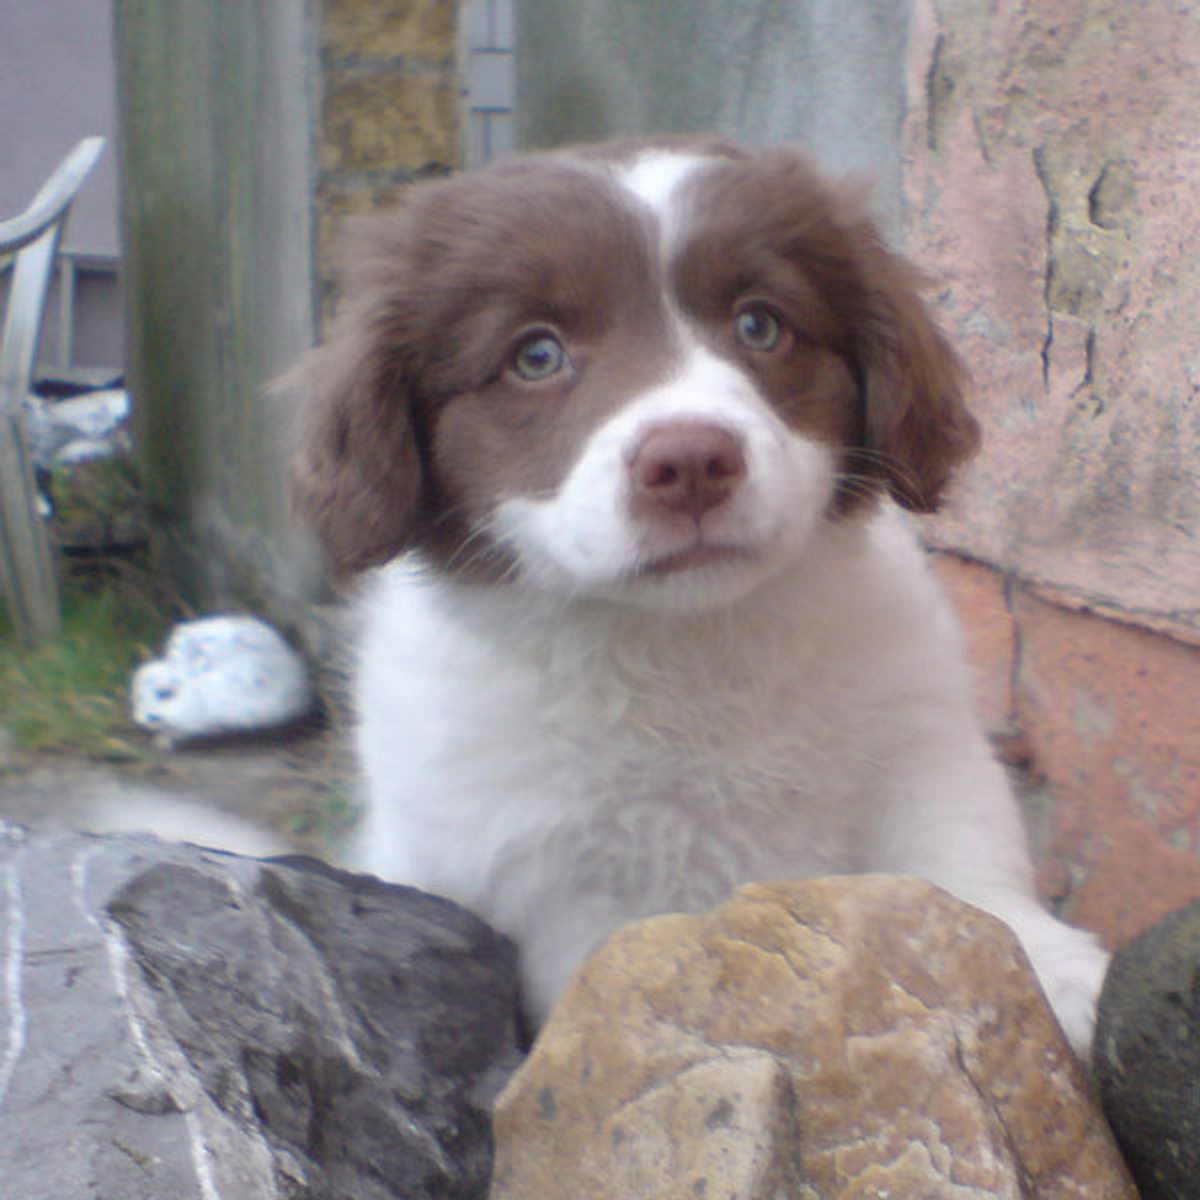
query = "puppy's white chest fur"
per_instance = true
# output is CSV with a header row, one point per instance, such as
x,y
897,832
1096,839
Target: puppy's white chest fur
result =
x,y
625,430
566,767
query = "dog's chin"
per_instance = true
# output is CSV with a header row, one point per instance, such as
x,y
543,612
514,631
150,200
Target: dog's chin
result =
x,y
696,582
692,580
697,556
654,567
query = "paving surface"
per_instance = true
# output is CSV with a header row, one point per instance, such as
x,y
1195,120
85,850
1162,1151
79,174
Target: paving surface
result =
x,y
256,798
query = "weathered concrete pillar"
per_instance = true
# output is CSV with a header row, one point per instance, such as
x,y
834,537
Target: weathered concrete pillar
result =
x,y
247,131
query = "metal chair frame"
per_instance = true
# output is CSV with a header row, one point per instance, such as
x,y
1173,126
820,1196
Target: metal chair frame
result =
x,y
28,575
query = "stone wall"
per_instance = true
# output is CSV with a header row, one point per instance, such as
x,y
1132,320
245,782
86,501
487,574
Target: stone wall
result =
x,y
1052,170
391,108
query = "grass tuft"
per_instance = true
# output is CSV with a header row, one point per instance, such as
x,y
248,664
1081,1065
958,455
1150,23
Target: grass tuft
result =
x,y
71,694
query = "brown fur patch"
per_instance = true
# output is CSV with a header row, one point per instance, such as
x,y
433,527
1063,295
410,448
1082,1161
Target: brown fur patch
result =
x,y
420,423
771,228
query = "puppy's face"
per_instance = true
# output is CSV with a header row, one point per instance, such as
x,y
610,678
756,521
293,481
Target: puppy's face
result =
x,y
636,371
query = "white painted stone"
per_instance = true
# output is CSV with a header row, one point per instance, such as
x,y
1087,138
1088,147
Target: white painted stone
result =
x,y
218,676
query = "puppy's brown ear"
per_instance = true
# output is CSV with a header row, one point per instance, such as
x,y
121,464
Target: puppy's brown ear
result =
x,y
917,426
357,479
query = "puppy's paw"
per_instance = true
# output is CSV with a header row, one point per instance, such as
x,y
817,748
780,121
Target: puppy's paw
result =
x,y
1070,964
1072,985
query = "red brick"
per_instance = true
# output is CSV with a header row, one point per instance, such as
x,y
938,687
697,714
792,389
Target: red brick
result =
x,y
1112,718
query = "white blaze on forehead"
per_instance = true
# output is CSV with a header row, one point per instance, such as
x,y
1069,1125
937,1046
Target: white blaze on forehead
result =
x,y
654,178
656,174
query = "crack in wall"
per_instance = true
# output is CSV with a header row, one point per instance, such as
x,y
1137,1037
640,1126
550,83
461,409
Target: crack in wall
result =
x,y
939,87
1052,218
1096,406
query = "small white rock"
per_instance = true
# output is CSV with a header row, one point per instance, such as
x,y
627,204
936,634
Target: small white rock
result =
x,y
219,676
94,425
94,415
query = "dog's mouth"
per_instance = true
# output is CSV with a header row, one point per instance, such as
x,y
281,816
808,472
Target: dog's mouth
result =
x,y
694,557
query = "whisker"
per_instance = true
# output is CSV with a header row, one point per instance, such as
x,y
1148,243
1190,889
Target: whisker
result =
x,y
859,486
903,480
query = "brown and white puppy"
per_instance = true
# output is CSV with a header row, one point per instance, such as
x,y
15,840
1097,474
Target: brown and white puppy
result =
x,y
627,431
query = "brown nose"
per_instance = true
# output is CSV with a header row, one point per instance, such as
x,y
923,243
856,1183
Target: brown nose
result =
x,y
686,467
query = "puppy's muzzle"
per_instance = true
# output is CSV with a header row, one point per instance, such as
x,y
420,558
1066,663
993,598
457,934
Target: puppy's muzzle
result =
x,y
684,468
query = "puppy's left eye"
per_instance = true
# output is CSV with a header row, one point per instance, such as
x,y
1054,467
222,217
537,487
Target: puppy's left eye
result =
x,y
539,356
757,328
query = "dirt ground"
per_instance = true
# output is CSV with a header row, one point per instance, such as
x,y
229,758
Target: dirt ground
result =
x,y
292,792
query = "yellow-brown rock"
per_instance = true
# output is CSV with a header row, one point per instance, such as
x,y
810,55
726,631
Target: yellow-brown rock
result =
x,y
861,1037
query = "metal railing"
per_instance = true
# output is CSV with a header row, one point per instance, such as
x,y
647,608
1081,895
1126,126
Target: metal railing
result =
x,y
28,574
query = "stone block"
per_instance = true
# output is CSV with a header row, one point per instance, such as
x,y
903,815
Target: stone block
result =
x,y
1113,725
415,30
177,1022
1148,1055
389,120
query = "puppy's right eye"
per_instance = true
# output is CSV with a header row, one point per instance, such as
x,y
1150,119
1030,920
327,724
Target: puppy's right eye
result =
x,y
758,328
538,357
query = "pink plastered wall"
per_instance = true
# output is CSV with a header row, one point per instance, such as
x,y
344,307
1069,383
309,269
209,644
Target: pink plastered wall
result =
x,y
1052,190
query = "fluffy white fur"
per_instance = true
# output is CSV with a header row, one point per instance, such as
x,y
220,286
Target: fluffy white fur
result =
x,y
571,755
597,738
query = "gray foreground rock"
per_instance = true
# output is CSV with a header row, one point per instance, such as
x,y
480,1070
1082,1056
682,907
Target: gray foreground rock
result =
x,y
1148,1055
176,1022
